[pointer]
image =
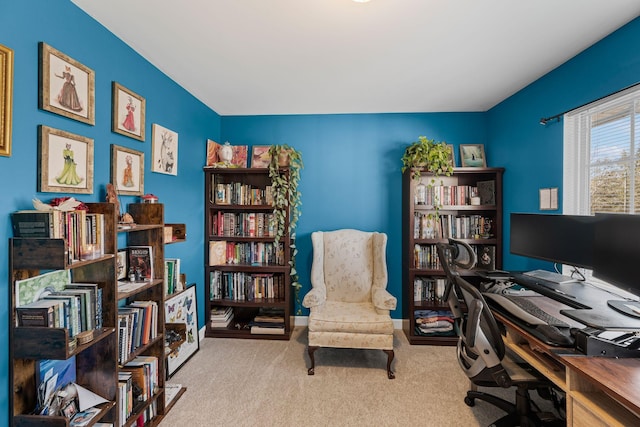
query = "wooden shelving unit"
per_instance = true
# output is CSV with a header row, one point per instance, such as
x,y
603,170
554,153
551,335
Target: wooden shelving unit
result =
x,y
419,259
244,310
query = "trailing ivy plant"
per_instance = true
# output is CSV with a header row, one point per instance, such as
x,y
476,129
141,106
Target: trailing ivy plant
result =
x,y
435,157
286,201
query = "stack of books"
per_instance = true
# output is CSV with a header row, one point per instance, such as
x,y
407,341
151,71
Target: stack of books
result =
x,y
221,317
268,321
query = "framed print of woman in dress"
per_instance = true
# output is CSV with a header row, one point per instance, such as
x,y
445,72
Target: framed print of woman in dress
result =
x,y
128,112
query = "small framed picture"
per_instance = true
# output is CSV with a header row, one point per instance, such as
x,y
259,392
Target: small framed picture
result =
x,y
6,93
452,157
472,155
127,170
66,86
65,162
165,150
121,264
212,152
127,117
260,157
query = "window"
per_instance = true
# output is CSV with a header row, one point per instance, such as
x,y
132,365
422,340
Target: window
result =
x,y
602,158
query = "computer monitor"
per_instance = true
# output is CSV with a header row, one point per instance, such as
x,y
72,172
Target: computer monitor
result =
x,y
617,258
566,239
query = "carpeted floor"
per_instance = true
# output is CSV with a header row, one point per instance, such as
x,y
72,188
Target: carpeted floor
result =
x,y
234,382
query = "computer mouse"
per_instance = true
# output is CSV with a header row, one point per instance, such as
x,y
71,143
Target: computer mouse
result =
x,y
555,336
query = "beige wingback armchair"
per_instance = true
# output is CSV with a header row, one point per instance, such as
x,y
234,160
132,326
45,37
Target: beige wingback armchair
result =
x,y
349,301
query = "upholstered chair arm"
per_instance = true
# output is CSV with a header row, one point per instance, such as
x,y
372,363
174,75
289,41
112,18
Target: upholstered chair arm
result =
x,y
314,298
382,299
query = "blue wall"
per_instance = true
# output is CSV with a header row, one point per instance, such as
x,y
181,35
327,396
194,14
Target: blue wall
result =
x,y
352,162
62,25
533,154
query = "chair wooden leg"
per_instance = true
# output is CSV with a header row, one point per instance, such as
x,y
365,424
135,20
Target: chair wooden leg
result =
x,y
390,356
311,350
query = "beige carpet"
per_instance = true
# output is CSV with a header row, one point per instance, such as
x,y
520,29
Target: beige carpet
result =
x,y
234,382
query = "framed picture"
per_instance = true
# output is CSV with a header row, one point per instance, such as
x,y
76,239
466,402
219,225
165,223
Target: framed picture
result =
x,y
164,157
212,152
260,157
6,93
127,170
452,157
66,86
127,117
472,155
182,308
121,264
65,162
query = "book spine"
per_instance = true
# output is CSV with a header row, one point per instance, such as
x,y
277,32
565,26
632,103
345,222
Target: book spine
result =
x,y
36,316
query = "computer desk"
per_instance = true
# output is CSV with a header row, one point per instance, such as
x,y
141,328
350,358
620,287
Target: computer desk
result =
x,y
599,391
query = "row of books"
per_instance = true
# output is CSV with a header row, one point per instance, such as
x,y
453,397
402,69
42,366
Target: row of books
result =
x,y
243,224
426,256
137,325
222,252
83,231
172,283
457,195
450,226
268,321
240,286
138,382
237,193
77,307
221,317
429,289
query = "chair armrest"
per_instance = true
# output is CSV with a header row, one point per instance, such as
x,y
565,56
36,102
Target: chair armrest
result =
x,y
382,299
314,298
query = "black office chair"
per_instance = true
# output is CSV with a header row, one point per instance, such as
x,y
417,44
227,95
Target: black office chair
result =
x,y
481,350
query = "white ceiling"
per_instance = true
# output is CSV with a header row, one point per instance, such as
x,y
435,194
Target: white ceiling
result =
x,y
253,57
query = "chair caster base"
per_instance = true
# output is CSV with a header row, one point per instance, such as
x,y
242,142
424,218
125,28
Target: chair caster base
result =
x,y
311,371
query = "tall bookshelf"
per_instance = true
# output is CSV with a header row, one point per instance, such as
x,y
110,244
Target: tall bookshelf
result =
x,y
237,212
478,224
96,361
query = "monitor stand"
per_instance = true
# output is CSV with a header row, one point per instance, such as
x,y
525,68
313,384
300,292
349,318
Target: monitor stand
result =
x,y
630,308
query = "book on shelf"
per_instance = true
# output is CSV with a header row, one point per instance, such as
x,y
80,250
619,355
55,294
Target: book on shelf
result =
x,y
38,313
33,288
35,223
268,321
267,330
487,192
140,262
486,255
95,301
220,317
172,282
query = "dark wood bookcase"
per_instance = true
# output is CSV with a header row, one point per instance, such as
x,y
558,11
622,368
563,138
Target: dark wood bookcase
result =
x,y
97,364
241,181
419,258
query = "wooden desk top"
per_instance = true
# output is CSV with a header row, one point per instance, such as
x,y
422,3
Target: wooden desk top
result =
x,y
619,378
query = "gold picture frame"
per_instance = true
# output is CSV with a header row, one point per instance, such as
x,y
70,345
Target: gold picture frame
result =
x,y
472,155
6,99
127,170
65,162
66,87
128,112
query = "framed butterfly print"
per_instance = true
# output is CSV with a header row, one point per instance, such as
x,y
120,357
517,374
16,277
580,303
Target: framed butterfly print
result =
x,y
181,308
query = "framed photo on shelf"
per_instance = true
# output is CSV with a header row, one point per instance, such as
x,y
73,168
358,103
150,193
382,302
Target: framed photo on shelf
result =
x,y
212,152
164,157
127,170
66,87
452,157
260,157
6,93
128,112
472,155
65,162
122,264
182,308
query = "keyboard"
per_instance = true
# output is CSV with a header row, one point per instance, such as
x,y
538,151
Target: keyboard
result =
x,y
524,309
550,276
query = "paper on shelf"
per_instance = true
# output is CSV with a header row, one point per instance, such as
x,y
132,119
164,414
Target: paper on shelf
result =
x,y
87,399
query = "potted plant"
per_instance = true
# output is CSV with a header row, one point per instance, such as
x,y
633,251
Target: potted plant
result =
x,y
286,200
433,156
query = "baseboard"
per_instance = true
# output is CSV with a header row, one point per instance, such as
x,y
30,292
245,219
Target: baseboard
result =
x,y
304,321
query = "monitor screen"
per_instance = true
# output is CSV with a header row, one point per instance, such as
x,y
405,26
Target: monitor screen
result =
x,y
616,251
566,239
